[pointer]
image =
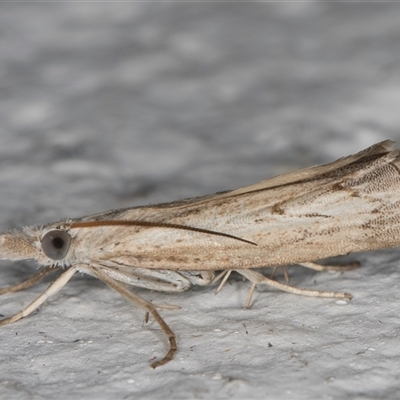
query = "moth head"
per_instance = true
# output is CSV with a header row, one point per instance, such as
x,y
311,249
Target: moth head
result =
x,y
47,246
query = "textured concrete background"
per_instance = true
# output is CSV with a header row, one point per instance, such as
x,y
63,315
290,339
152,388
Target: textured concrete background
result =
x,y
108,105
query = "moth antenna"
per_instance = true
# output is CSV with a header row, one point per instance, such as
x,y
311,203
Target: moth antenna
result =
x,y
150,224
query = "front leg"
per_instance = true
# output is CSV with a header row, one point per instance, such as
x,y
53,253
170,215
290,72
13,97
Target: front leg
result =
x,y
30,281
58,284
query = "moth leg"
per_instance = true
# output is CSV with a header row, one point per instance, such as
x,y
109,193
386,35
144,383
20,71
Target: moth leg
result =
x,y
146,306
319,267
224,275
29,282
163,306
257,278
250,295
284,270
54,287
219,276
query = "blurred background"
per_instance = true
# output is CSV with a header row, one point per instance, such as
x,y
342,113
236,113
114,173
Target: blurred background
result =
x,y
112,104
109,105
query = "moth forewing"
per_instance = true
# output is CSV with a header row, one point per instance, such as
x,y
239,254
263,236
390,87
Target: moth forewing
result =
x,y
349,205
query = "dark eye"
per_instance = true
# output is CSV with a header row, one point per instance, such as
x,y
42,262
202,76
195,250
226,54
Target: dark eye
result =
x,y
55,244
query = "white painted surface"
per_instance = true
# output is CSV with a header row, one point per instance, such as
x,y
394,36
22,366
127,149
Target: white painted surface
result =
x,y
111,105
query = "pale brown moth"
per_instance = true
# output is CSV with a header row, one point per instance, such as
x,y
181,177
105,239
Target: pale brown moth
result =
x,y
349,205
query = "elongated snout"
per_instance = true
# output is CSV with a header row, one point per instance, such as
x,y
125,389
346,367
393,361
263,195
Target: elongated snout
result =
x,y
16,245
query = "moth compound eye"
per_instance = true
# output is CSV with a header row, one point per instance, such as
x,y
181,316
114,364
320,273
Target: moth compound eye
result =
x,y
55,244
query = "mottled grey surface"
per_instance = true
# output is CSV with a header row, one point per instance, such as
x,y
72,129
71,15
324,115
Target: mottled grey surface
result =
x,y
107,105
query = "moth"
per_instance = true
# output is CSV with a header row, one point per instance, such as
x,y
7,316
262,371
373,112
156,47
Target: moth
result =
x,y
349,205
